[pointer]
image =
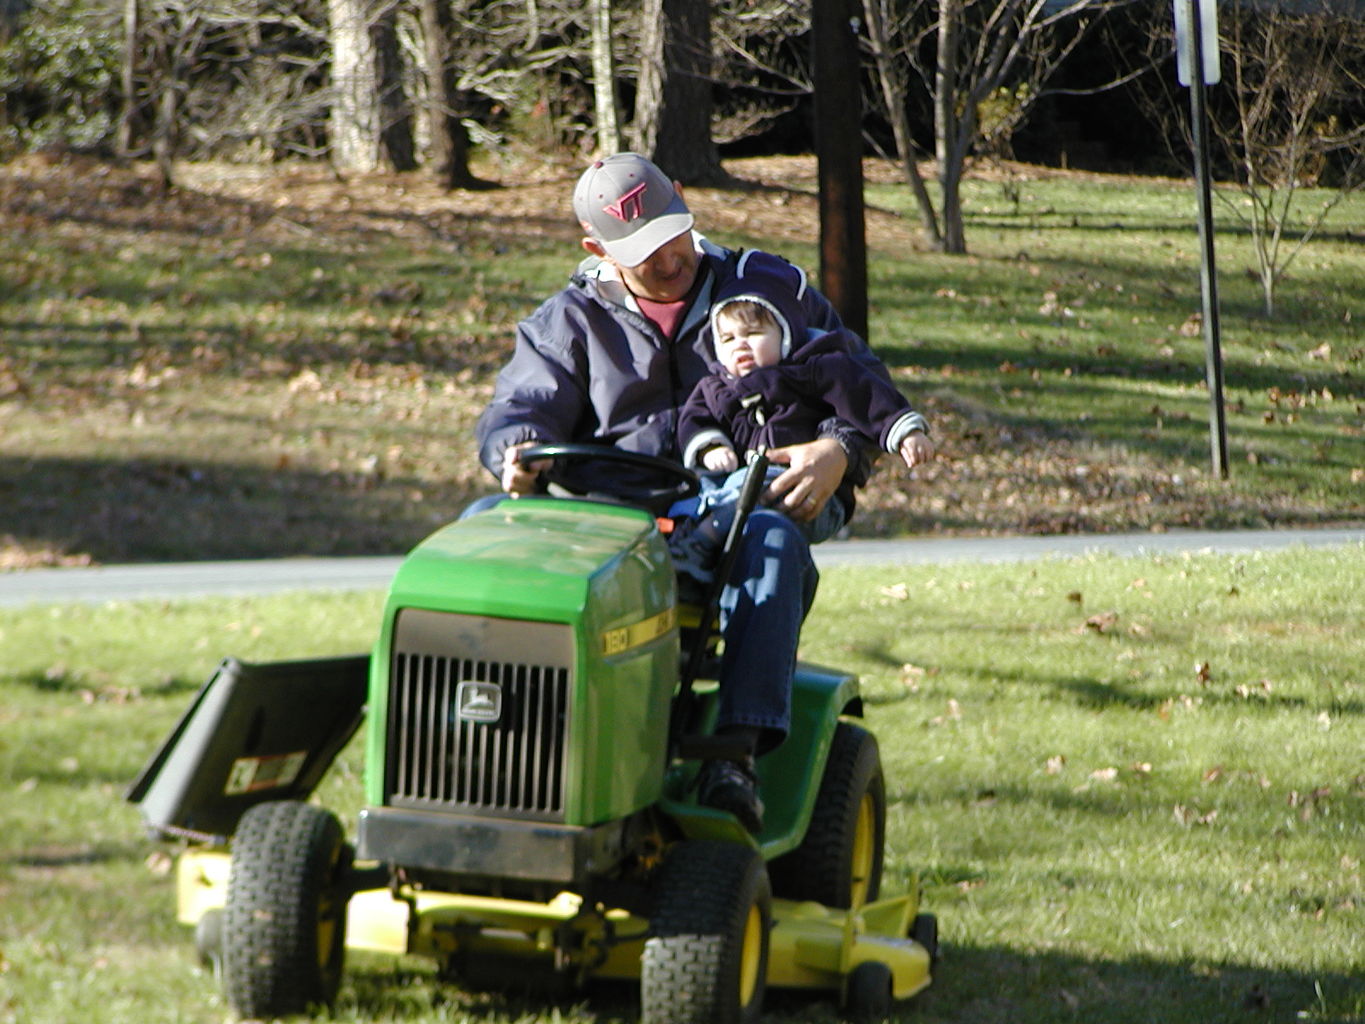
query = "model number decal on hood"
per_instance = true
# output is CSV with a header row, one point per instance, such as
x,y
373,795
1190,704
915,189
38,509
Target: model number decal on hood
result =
x,y
618,641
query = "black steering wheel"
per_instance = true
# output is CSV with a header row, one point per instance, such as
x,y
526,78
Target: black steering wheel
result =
x,y
635,488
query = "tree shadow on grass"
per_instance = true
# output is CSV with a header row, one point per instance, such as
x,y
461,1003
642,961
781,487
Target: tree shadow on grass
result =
x,y
54,856
383,988
973,984
150,510
985,984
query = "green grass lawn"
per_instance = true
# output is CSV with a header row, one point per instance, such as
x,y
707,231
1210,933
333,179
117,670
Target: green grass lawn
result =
x,y
1133,789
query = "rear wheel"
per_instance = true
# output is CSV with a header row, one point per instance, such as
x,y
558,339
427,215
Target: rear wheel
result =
x,y
839,862
285,924
706,960
924,930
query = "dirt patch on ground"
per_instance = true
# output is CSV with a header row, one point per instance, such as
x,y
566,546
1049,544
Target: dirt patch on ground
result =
x,y
772,197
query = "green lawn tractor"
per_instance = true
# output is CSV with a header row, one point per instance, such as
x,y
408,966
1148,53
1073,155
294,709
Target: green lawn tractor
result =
x,y
536,706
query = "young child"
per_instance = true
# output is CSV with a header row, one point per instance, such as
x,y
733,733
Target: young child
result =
x,y
775,384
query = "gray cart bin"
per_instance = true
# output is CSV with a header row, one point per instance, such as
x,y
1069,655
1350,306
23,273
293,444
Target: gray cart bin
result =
x,y
254,732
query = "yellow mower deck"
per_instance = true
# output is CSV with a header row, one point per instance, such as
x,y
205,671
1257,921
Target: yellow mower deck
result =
x,y
811,946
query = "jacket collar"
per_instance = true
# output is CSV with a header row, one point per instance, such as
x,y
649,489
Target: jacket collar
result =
x,y
601,278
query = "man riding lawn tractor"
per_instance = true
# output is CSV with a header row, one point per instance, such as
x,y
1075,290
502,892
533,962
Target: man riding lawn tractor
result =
x,y
538,706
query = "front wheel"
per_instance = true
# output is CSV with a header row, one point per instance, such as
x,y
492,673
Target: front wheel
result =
x,y
869,992
285,924
706,960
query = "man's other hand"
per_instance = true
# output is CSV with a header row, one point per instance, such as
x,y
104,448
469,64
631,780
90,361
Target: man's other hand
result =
x,y
813,473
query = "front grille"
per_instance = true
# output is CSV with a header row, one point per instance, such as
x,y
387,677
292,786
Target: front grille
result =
x,y
446,752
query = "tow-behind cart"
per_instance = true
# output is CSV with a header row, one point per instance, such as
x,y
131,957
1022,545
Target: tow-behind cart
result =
x,y
537,705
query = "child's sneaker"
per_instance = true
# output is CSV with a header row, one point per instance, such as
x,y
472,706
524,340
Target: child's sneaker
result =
x,y
694,550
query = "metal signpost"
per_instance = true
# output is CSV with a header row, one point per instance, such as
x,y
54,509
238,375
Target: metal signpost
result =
x,y
1196,40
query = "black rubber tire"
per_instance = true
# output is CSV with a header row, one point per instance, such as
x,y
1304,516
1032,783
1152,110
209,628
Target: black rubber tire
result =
x,y
839,862
924,930
284,933
706,958
869,992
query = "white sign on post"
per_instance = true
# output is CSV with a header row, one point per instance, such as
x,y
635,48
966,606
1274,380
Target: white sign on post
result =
x,y
1184,42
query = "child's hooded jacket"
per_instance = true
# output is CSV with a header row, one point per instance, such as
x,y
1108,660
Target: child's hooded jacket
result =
x,y
775,406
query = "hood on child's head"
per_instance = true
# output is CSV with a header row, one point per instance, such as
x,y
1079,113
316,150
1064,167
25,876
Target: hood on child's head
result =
x,y
773,283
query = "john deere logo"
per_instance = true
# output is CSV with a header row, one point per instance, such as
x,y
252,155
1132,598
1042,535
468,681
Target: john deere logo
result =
x,y
478,702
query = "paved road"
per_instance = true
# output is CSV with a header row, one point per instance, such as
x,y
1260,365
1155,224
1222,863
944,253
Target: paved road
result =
x,y
200,579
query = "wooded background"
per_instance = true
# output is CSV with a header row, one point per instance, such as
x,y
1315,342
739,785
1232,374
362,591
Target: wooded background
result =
x,y
420,84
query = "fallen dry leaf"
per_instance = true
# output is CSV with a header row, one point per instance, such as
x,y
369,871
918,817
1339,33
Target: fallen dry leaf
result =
x,y
1103,623
1190,816
159,862
911,676
953,714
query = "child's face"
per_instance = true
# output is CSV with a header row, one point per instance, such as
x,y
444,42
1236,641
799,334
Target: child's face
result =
x,y
742,346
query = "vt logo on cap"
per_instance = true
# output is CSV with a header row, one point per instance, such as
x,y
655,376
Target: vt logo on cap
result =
x,y
630,206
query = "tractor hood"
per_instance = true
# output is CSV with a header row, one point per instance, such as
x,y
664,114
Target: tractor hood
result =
x,y
558,619
529,557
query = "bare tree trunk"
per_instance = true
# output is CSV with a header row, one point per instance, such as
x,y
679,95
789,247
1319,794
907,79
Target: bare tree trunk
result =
x,y
395,112
163,133
127,122
449,156
650,85
604,80
176,38
355,88
839,154
532,24
946,126
892,78
673,108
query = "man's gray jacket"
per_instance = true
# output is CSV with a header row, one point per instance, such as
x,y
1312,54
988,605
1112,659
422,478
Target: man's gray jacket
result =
x,y
588,367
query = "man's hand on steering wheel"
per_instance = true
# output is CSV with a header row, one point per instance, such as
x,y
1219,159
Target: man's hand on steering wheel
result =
x,y
644,480
814,470
519,480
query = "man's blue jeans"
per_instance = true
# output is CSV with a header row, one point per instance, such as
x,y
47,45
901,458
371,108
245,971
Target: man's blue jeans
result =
x,y
770,590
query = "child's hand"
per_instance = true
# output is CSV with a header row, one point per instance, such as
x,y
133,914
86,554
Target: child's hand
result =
x,y
917,448
720,458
